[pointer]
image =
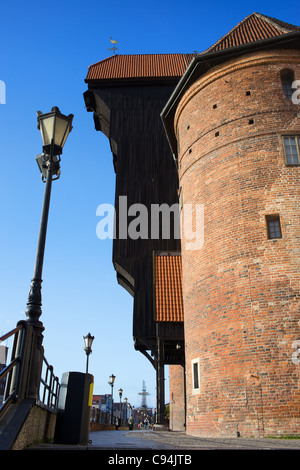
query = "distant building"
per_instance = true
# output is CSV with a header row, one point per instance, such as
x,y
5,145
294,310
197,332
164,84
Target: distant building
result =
x,y
102,402
105,403
101,408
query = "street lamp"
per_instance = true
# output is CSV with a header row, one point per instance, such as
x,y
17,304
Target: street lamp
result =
x,y
55,128
88,341
125,401
120,395
111,382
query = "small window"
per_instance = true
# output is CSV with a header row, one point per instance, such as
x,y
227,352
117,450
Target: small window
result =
x,y
273,226
287,78
292,149
196,375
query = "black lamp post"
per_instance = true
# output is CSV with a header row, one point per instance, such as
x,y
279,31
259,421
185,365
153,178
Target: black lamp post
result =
x,y
125,401
120,395
111,383
55,128
88,341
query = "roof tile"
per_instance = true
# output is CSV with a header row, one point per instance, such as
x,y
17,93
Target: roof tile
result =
x,y
140,66
168,288
254,27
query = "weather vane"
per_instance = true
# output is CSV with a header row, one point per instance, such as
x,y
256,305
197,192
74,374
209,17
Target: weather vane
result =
x,y
114,48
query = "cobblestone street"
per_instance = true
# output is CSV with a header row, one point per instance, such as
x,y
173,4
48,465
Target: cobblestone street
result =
x,y
151,440
181,440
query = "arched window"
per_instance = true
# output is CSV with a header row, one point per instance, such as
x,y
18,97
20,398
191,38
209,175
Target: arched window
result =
x,y
287,77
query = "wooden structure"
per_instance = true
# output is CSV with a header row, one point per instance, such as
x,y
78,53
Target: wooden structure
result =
x,y
126,95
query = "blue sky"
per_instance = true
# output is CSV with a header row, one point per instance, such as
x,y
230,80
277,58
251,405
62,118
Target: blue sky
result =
x,y
46,48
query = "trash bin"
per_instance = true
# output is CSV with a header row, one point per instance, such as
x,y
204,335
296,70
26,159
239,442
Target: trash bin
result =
x,y
74,405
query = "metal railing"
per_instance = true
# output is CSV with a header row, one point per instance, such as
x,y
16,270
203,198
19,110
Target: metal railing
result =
x,y
17,368
104,417
49,387
11,373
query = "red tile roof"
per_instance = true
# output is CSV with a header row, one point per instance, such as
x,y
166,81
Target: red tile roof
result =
x,y
168,288
140,66
254,27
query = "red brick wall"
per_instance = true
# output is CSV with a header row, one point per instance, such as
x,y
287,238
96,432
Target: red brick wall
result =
x,y
241,290
177,398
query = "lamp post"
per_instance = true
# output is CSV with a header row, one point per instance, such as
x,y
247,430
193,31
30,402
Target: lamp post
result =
x,y
111,382
120,395
54,128
88,341
125,401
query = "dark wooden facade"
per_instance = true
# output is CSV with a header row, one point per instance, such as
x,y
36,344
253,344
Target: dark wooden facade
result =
x,y
128,113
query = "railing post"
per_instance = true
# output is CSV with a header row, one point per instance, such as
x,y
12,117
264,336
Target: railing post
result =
x,y
51,385
31,363
24,367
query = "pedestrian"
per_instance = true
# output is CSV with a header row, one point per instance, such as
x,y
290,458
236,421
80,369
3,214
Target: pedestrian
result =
x,y
130,422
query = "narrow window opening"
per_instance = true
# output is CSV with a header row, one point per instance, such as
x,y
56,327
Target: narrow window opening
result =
x,y
273,226
248,93
287,77
251,121
215,106
196,375
196,378
216,134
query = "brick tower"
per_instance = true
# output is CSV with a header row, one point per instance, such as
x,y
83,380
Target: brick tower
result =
x,y
233,124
